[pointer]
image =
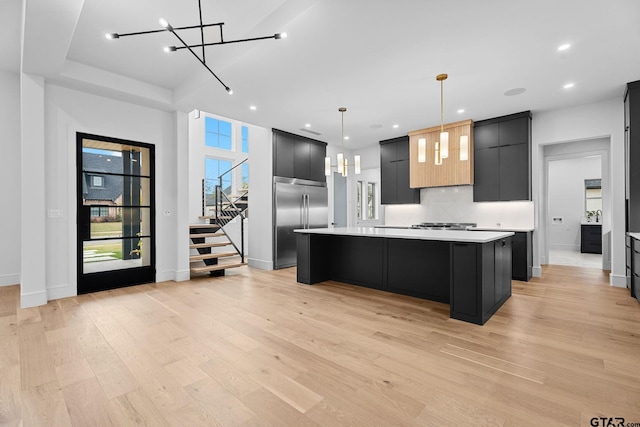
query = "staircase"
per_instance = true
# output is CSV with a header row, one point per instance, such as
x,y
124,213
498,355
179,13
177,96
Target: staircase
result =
x,y
217,243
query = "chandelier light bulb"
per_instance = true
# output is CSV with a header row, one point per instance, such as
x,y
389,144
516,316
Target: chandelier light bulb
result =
x,y
229,90
111,36
165,24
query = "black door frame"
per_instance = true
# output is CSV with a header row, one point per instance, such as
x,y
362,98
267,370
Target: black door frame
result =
x,y
104,280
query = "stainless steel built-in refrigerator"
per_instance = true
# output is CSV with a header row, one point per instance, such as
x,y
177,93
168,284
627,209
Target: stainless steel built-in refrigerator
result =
x,y
298,203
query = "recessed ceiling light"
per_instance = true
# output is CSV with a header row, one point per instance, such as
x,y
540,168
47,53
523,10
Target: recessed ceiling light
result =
x,y
515,91
396,126
568,85
253,107
460,111
346,137
564,46
308,125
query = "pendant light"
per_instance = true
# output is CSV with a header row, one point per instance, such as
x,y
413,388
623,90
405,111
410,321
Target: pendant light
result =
x,y
464,147
343,163
444,136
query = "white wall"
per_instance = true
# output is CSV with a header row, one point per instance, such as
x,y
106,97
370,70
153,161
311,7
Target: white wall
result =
x,y
10,244
69,111
260,198
584,123
566,198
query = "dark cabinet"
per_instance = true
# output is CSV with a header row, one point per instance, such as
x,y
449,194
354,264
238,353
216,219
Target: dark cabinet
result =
x,y
515,176
522,256
591,238
486,187
635,267
488,265
296,156
394,173
502,156
632,158
632,175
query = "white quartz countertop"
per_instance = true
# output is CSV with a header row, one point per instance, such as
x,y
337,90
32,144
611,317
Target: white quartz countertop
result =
x,y
400,233
634,235
585,222
514,229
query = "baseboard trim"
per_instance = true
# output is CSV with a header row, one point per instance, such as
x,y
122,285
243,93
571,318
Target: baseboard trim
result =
x,y
61,291
260,264
618,280
33,299
9,279
536,271
182,275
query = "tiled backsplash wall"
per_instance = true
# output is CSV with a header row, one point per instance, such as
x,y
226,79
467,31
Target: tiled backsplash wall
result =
x,y
455,204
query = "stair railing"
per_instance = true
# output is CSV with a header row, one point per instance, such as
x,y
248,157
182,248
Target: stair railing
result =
x,y
226,209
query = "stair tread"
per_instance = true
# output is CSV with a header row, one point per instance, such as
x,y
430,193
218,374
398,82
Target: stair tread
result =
x,y
212,256
208,245
214,217
201,235
204,225
216,267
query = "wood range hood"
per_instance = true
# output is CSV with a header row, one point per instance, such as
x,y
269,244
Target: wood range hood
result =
x,y
452,171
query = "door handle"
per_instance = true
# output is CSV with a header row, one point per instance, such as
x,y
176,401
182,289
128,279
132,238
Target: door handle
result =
x,y
307,210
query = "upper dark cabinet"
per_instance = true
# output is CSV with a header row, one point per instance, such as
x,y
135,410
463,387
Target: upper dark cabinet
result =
x,y
394,173
296,156
486,136
502,150
632,155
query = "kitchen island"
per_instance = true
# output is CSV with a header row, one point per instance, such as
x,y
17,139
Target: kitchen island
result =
x,y
469,270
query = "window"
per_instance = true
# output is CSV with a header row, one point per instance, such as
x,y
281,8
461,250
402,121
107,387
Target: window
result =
x,y
98,211
371,200
97,181
217,133
213,169
245,175
245,139
359,200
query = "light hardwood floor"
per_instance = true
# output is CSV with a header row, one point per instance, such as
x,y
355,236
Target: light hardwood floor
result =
x,y
258,349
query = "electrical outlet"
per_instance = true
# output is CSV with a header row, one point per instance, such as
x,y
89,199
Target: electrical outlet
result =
x,y
167,213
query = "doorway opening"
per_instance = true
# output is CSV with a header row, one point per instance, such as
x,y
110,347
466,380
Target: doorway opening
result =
x,y
577,204
116,206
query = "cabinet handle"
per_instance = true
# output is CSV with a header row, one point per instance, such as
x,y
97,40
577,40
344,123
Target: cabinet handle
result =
x,y
504,243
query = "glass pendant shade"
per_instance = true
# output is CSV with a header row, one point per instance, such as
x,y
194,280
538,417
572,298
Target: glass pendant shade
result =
x,y
444,144
356,162
341,164
464,147
327,166
422,150
438,155
344,169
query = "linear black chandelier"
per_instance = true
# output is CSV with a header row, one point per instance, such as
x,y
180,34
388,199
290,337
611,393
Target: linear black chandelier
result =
x,y
168,27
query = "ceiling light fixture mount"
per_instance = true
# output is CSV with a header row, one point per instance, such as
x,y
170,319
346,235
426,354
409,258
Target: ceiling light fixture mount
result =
x,y
201,26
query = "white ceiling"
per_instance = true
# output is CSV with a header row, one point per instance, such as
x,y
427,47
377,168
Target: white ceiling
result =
x,y
377,58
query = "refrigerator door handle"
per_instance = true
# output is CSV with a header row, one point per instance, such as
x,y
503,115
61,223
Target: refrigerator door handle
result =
x,y
302,216
308,210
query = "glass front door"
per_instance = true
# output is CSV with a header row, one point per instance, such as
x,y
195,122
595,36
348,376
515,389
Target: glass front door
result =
x,y
116,221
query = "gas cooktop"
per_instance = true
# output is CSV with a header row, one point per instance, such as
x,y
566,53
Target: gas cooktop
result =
x,y
443,225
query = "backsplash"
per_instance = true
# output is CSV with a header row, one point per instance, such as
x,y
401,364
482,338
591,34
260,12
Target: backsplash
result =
x,y
455,204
